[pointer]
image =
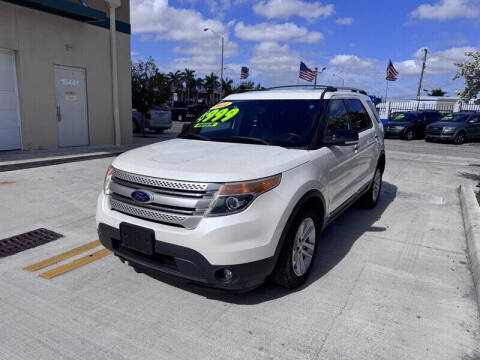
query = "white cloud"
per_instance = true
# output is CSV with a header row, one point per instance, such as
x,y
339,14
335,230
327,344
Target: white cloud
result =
x,y
168,23
438,62
286,8
352,63
448,9
275,61
276,32
344,21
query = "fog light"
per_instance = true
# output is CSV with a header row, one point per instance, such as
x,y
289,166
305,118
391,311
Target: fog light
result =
x,y
224,275
227,274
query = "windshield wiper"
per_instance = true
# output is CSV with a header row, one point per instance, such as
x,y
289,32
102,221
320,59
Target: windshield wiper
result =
x,y
194,136
242,139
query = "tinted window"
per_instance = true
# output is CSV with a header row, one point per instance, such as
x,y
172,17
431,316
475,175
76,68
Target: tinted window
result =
x,y
405,117
288,123
374,111
457,117
337,117
358,115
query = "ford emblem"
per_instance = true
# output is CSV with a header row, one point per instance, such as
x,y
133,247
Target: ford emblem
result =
x,y
142,196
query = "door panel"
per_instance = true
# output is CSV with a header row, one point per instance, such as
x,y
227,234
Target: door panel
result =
x,y
10,133
70,91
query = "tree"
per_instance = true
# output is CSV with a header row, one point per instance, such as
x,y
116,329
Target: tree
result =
x,y
176,79
437,92
227,87
189,79
470,70
149,86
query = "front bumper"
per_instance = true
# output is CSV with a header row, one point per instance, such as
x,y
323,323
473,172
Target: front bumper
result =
x,y
394,133
186,263
444,137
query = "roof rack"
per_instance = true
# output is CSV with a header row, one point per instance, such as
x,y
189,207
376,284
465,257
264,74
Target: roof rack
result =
x,y
325,88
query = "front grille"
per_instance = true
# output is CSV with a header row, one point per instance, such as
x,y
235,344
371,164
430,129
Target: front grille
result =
x,y
435,130
174,202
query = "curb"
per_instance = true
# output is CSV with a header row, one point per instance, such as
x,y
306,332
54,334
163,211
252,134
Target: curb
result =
x,y
471,222
27,164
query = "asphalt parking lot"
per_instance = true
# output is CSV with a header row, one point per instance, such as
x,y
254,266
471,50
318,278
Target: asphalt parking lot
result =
x,y
389,283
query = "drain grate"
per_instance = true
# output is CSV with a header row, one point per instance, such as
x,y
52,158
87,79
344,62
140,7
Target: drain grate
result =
x,y
28,240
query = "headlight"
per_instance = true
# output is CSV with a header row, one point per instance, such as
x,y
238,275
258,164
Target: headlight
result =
x,y
448,129
235,197
108,180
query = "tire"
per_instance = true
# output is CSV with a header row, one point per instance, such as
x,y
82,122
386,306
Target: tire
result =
x,y
459,138
135,127
289,271
410,134
370,199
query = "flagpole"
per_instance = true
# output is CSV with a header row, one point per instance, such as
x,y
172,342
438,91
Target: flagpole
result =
x,y
386,92
316,74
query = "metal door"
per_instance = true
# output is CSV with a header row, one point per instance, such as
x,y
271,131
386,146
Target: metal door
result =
x,y
10,133
70,90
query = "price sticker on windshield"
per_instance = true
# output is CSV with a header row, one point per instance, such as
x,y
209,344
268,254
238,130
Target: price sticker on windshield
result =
x,y
448,117
399,116
218,114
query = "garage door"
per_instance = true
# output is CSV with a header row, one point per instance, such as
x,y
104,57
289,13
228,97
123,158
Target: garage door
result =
x,y
10,135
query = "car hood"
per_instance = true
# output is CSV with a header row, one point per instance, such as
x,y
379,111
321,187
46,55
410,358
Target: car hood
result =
x,y
209,161
446,123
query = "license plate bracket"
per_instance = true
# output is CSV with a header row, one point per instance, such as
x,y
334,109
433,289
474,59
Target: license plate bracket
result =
x,y
137,238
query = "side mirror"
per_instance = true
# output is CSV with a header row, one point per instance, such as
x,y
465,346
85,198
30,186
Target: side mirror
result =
x,y
342,138
185,126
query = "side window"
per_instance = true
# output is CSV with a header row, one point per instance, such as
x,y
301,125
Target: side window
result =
x,y
358,115
374,111
337,117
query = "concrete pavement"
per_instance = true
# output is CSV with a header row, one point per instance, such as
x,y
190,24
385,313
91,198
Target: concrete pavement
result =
x,y
392,282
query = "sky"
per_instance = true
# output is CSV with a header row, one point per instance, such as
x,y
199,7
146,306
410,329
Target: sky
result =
x,y
353,40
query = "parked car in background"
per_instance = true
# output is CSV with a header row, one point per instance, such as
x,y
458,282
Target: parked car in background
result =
x,y
179,110
456,127
160,118
194,111
138,121
410,125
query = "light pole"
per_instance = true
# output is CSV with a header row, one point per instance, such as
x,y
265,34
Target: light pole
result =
x,y
221,69
341,78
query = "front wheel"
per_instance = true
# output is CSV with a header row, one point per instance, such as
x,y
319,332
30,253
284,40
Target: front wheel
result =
x,y
298,253
460,138
370,199
409,135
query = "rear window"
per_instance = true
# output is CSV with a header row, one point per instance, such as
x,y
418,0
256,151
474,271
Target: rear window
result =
x,y
359,117
374,111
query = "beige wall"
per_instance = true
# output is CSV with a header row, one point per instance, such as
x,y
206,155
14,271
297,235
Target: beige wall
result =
x,y
39,40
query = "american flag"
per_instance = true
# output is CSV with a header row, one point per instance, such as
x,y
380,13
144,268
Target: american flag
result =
x,y
244,72
306,73
392,73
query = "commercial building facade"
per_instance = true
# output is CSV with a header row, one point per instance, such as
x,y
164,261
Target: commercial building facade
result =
x,y
56,74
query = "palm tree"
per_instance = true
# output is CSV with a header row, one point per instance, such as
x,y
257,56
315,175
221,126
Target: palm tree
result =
x,y
209,83
189,79
227,86
176,79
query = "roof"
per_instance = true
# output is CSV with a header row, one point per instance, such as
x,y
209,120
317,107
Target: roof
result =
x,y
293,94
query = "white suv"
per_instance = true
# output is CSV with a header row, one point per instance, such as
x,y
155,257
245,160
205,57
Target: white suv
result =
x,y
243,193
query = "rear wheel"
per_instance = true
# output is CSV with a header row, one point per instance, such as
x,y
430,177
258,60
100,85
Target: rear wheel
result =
x,y
298,253
370,199
460,138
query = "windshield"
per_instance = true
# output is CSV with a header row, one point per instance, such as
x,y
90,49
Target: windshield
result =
x,y
404,117
459,118
287,123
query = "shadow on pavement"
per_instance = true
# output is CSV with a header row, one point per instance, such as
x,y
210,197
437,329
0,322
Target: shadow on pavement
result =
x,y
335,243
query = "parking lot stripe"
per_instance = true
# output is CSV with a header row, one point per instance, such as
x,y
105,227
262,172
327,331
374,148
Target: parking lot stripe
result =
x,y
75,264
57,258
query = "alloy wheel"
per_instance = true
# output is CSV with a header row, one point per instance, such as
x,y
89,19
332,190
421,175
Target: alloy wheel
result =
x,y
303,247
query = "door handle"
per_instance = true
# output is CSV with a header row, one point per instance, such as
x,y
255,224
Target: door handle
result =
x,y
355,148
59,114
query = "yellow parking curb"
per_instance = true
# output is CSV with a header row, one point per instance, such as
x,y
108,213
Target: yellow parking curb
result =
x,y
58,258
75,264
